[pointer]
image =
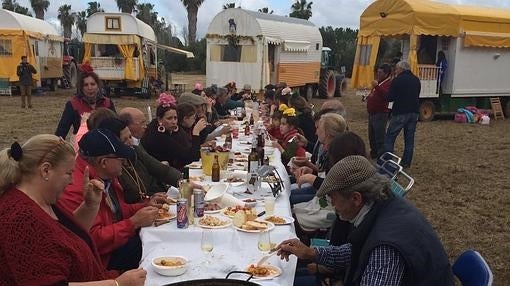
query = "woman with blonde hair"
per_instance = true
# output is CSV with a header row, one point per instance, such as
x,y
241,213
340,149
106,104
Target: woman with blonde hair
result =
x,y
41,244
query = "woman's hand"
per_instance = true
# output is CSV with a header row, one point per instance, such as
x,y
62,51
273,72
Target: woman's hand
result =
x,y
306,178
301,140
134,277
199,126
92,190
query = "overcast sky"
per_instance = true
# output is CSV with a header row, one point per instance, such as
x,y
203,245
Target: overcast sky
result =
x,y
336,13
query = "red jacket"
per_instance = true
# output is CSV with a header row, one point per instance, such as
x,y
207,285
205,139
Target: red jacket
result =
x,y
106,233
376,103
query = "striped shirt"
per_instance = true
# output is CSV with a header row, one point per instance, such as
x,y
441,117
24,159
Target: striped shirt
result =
x,y
385,265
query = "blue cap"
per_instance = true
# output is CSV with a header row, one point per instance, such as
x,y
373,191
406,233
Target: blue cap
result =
x,y
101,142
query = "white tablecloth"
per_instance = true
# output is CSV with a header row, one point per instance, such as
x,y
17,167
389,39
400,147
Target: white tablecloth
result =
x,y
233,249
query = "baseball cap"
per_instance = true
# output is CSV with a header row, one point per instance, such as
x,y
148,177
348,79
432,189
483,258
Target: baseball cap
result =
x,y
347,173
191,98
101,142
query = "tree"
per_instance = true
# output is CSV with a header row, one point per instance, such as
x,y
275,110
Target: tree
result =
x,y
265,10
127,6
343,45
229,5
301,9
40,7
192,9
94,7
144,12
66,19
12,5
81,22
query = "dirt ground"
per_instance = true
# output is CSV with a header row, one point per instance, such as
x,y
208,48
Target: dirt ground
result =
x,y
461,170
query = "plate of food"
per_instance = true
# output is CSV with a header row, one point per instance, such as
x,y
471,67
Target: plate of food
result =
x,y
213,222
231,211
250,203
277,220
212,208
235,181
255,226
165,214
195,165
264,272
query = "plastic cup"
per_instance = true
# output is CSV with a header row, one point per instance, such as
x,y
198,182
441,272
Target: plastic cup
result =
x,y
269,203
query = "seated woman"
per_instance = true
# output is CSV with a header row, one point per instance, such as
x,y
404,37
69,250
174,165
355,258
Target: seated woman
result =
x,y
165,141
329,126
289,129
143,175
190,122
42,244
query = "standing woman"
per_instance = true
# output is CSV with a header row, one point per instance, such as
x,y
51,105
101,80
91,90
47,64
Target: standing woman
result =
x,y
442,64
165,141
88,99
41,244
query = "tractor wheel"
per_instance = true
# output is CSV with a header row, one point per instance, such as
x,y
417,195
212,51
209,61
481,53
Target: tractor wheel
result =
x,y
341,86
327,84
427,110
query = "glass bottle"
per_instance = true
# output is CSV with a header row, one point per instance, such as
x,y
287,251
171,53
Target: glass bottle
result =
x,y
215,173
253,166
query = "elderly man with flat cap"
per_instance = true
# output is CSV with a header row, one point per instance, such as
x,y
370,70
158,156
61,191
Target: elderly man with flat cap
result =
x,y
391,243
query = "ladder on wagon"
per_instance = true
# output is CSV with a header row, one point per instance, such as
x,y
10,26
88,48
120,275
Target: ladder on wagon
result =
x,y
497,111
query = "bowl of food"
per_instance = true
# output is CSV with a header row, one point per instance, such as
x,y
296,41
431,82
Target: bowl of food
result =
x,y
170,265
216,192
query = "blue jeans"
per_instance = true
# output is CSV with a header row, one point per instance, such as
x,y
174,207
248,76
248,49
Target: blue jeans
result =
x,y
302,195
408,123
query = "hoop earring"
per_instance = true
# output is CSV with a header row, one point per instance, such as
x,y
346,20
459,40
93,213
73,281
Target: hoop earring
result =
x,y
161,128
176,128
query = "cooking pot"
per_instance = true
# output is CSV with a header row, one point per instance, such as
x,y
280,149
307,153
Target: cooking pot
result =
x,y
218,281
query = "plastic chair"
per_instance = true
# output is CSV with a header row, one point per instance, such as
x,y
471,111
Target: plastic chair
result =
x,y
401,183
390,169
386,157
472,269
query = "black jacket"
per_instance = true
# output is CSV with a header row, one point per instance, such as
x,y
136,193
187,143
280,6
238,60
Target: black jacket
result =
x,y
405,93
24,72
397,223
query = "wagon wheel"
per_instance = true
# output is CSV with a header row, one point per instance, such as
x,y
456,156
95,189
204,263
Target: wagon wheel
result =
x,y
427,111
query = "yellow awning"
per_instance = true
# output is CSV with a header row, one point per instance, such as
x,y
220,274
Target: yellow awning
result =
x,y
177,51
484,39
110,39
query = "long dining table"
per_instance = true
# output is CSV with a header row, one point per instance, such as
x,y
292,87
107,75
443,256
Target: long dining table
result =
x,y
234,250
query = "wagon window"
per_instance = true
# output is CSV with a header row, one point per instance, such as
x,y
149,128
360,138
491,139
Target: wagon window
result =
x,y
112,23
5,47
364,58
228,53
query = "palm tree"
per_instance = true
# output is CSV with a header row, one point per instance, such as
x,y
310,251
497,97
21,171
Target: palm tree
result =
x,y
265,10
39,7
192,8
93,8
229,5
127,6
12,5
66,19
81,22
301,9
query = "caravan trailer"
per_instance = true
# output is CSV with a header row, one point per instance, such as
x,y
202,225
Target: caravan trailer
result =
x,y
475,40
23,35
122,50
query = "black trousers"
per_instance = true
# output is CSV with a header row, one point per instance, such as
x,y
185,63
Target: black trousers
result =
x,y
128,256
376,131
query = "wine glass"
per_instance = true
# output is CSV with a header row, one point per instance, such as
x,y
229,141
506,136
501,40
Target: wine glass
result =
x,y
264,244
207,244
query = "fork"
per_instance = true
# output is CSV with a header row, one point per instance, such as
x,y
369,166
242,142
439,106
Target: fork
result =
x,y
266,257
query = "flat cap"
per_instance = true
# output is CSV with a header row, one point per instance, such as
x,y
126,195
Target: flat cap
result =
x,y
347,173
191,98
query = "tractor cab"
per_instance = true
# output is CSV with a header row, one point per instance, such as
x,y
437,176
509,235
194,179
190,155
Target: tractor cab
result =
x,y
326,58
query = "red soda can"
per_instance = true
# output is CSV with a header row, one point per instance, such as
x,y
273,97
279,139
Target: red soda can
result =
x,y
182,213
199,201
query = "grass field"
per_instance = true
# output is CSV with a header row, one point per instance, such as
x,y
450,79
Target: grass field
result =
x,y
462,171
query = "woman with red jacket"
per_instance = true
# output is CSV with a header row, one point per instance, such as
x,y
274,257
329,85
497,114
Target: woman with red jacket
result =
x,y
88,99
288,145
41,243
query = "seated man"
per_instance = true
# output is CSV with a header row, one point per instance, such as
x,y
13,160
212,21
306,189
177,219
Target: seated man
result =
x,y
142,175
391,243
115,228
136,122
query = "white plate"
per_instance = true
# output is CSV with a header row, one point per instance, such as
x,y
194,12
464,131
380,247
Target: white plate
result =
x,y
215,192
275,272
171,217
212,212
270,226
227,224
288,220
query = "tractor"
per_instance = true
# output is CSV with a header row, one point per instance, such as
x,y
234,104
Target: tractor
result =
x,y
332,83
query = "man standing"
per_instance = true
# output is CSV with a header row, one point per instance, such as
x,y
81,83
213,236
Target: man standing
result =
x,y
24,72
404,92
377,108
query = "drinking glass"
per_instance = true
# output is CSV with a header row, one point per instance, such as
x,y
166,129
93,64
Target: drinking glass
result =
x,y
269,202
207,244
264,243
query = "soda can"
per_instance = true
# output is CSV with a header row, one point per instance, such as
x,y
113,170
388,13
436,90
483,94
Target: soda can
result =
x,y
199,200
182,213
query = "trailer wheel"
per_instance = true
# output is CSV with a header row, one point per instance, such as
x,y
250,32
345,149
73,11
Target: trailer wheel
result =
x,y
53,84
506,108
427,110
327,84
